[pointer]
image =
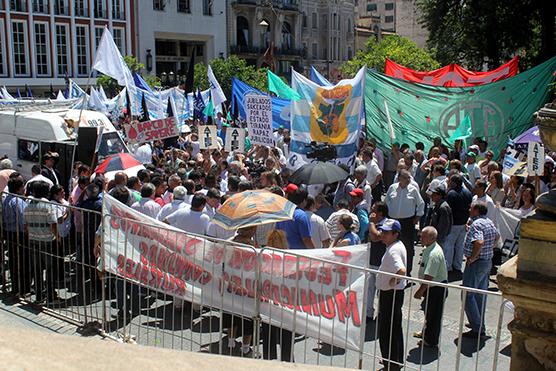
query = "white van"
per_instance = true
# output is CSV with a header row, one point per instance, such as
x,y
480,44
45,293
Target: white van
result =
x,y
25,136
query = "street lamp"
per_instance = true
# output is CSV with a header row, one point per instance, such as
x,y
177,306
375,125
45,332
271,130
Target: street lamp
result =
x,y
263,23
149,60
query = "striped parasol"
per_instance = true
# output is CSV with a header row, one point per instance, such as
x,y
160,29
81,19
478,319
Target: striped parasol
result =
x,y
252,208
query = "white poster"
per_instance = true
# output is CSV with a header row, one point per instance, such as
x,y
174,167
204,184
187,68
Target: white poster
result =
x,y
315,298
258,112
207,137
535,159
235,140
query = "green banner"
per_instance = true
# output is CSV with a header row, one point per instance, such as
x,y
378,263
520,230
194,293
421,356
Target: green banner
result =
x,y
419,112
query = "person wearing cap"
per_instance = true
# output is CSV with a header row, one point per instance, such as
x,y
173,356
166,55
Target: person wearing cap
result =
x,y
406,205
440,214
391,295
360,209
379,213
297,230
471,167
179,194
432,267
49,160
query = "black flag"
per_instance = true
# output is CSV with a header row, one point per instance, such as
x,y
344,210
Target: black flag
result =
x,y
145,109
169,109
190,79
127,104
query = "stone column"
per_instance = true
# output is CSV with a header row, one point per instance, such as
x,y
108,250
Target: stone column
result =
x,y
529,279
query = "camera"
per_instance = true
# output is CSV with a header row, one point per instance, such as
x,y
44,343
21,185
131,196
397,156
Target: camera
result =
x,y
321,152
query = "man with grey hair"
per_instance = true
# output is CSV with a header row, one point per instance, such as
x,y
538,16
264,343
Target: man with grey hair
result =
x,y
432,267
6,169
179,194
173,181
361,182
147,205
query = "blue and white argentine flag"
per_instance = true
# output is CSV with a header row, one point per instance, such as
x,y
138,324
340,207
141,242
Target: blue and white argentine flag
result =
x,y
326,114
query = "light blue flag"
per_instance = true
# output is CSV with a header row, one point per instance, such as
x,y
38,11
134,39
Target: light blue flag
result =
x,y
317,78
326,115
75,90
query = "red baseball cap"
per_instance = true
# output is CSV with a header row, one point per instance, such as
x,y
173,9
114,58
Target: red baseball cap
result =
x,y
290,188
357,192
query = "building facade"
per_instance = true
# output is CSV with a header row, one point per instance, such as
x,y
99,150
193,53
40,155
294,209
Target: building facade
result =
x,y
376,18
169,32
44,42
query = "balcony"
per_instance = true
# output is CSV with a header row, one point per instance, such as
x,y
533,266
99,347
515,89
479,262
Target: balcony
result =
x,y
293,52
18,5
81,12
245,49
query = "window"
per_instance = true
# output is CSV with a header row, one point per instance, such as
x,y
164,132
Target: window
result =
x,y
61,7
304,20
40,6
118,34
159,4
349,53
389,19
207,7
62,58
389,6
20,48
371,7
287,39
242,34
324,23
28,150
334,19
325,53
3,69
18,5
117,11
82,50
42,49
184,6
314,51
314,22
99,9
98,35
80,8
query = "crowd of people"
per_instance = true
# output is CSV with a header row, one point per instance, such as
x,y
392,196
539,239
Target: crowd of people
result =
x,y
446,199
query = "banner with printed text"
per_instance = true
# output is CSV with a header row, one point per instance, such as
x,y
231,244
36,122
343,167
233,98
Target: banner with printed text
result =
x,y
315,298
147,131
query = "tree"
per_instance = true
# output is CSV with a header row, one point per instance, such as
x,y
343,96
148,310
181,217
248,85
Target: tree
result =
x,y
225,69
400,49
111,86
472,32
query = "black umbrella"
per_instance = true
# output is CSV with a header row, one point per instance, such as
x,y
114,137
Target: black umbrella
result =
x,y
318,173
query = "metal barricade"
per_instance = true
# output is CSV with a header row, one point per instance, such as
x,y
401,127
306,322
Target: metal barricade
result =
x,y
237,300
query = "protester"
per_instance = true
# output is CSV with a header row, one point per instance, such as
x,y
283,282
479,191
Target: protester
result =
x,y
374,174
379,213
178,197
319,233
431,268
362,185
391,296
298,230
332,221
48,169
346,237
527,199
481,195
361,209
440,214
191,219
479,244
147,205
6,169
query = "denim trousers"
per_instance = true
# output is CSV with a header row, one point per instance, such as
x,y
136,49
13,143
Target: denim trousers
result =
x,y
476,276
453,247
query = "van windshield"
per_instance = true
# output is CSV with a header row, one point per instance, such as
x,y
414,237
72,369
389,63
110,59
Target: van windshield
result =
x,y
110,144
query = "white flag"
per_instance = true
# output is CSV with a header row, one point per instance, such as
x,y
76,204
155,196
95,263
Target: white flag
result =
x,y
102,94
216,92
6,94
95,102
60,96
390,126
110,62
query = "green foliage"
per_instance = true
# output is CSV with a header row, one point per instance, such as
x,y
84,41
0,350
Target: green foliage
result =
x,y
400,49
472,32
111,86
225,69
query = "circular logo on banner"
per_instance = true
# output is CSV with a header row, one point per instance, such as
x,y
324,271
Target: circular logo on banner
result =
x,y
487,119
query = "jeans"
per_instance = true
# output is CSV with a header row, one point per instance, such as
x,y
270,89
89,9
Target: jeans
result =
x,y
390,333
371,290
476,276
453,247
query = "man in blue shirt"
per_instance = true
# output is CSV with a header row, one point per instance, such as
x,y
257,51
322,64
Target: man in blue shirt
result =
x,y
298,230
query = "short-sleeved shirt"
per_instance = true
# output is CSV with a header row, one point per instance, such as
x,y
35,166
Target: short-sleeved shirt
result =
x,y
433,263
352,237
394,259
473,171
13,208
482,229
39,217
319,232
189,220
296,229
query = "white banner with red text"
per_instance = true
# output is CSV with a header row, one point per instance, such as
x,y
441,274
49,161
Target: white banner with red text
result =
x,y
302,291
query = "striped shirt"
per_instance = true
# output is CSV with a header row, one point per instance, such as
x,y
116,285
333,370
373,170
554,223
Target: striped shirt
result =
x,y
482,229
332,223
39,217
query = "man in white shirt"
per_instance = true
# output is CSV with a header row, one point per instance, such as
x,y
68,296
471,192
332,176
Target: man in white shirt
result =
x,y
374,174
480,195
177,203
473,170
391,295
37,176
191,219
319,232
377,154
144,154
213,202
332,221
406,205
360,175
147,205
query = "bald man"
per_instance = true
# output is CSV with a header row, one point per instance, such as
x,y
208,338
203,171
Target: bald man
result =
x,y
432,267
